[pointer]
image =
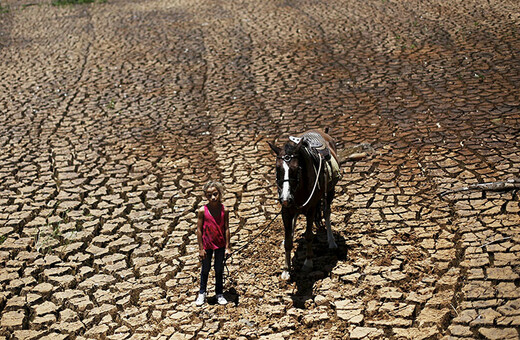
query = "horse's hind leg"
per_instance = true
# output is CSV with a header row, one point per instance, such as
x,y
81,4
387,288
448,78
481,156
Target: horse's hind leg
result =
x,y
318,218
330,236
308,264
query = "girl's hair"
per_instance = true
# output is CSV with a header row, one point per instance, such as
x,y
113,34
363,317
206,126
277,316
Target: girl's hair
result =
x,y
214,184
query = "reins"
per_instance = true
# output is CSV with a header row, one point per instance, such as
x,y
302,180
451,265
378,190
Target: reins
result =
x,y
315,184
248,243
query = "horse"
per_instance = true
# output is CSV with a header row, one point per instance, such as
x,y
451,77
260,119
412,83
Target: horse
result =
x,y
307,170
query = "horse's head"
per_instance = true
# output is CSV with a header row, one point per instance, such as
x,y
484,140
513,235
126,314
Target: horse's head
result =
x,y
288,171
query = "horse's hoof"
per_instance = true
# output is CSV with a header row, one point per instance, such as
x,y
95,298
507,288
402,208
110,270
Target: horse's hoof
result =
x,y
286,276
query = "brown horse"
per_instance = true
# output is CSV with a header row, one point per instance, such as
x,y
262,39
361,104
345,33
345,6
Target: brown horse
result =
x,y
307,170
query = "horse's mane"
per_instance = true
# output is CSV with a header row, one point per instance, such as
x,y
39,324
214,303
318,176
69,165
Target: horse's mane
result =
x,y
291,148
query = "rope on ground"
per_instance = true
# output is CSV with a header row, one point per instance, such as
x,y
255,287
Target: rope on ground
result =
x,y
509,184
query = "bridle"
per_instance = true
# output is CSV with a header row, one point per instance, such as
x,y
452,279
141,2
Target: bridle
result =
x,y
287,159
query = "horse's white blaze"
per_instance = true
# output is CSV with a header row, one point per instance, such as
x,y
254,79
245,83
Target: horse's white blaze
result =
x,y
285,187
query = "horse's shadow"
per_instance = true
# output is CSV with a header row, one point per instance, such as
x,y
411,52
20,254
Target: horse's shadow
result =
x,y
325,260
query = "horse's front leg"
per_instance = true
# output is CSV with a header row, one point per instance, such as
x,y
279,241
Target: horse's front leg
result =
x,y
308,264
288,222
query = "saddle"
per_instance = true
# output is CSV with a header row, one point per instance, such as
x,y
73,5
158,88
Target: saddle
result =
x,y
317,148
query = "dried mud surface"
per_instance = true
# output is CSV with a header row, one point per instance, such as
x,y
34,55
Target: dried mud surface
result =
x,y
113,115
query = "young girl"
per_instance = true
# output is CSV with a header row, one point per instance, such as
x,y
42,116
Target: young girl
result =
x,y
213,237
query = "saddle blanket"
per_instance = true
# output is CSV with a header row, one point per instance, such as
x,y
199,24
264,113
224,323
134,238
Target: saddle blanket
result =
x,y
318,146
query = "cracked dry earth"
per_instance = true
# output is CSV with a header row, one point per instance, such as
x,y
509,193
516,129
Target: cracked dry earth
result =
x,y
114,115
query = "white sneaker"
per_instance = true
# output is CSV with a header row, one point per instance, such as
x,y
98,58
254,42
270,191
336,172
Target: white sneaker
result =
x,y
200,299
221,299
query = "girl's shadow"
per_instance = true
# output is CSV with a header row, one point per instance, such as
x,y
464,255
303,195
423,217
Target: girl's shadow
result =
x,y
325,260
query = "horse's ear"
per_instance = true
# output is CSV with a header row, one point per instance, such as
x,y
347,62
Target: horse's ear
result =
x,y
298,146
275,149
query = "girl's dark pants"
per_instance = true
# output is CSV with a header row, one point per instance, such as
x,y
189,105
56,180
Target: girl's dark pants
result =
x,y
219,270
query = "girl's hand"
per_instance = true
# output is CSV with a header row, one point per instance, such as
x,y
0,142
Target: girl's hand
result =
x,y
202,254
228,252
